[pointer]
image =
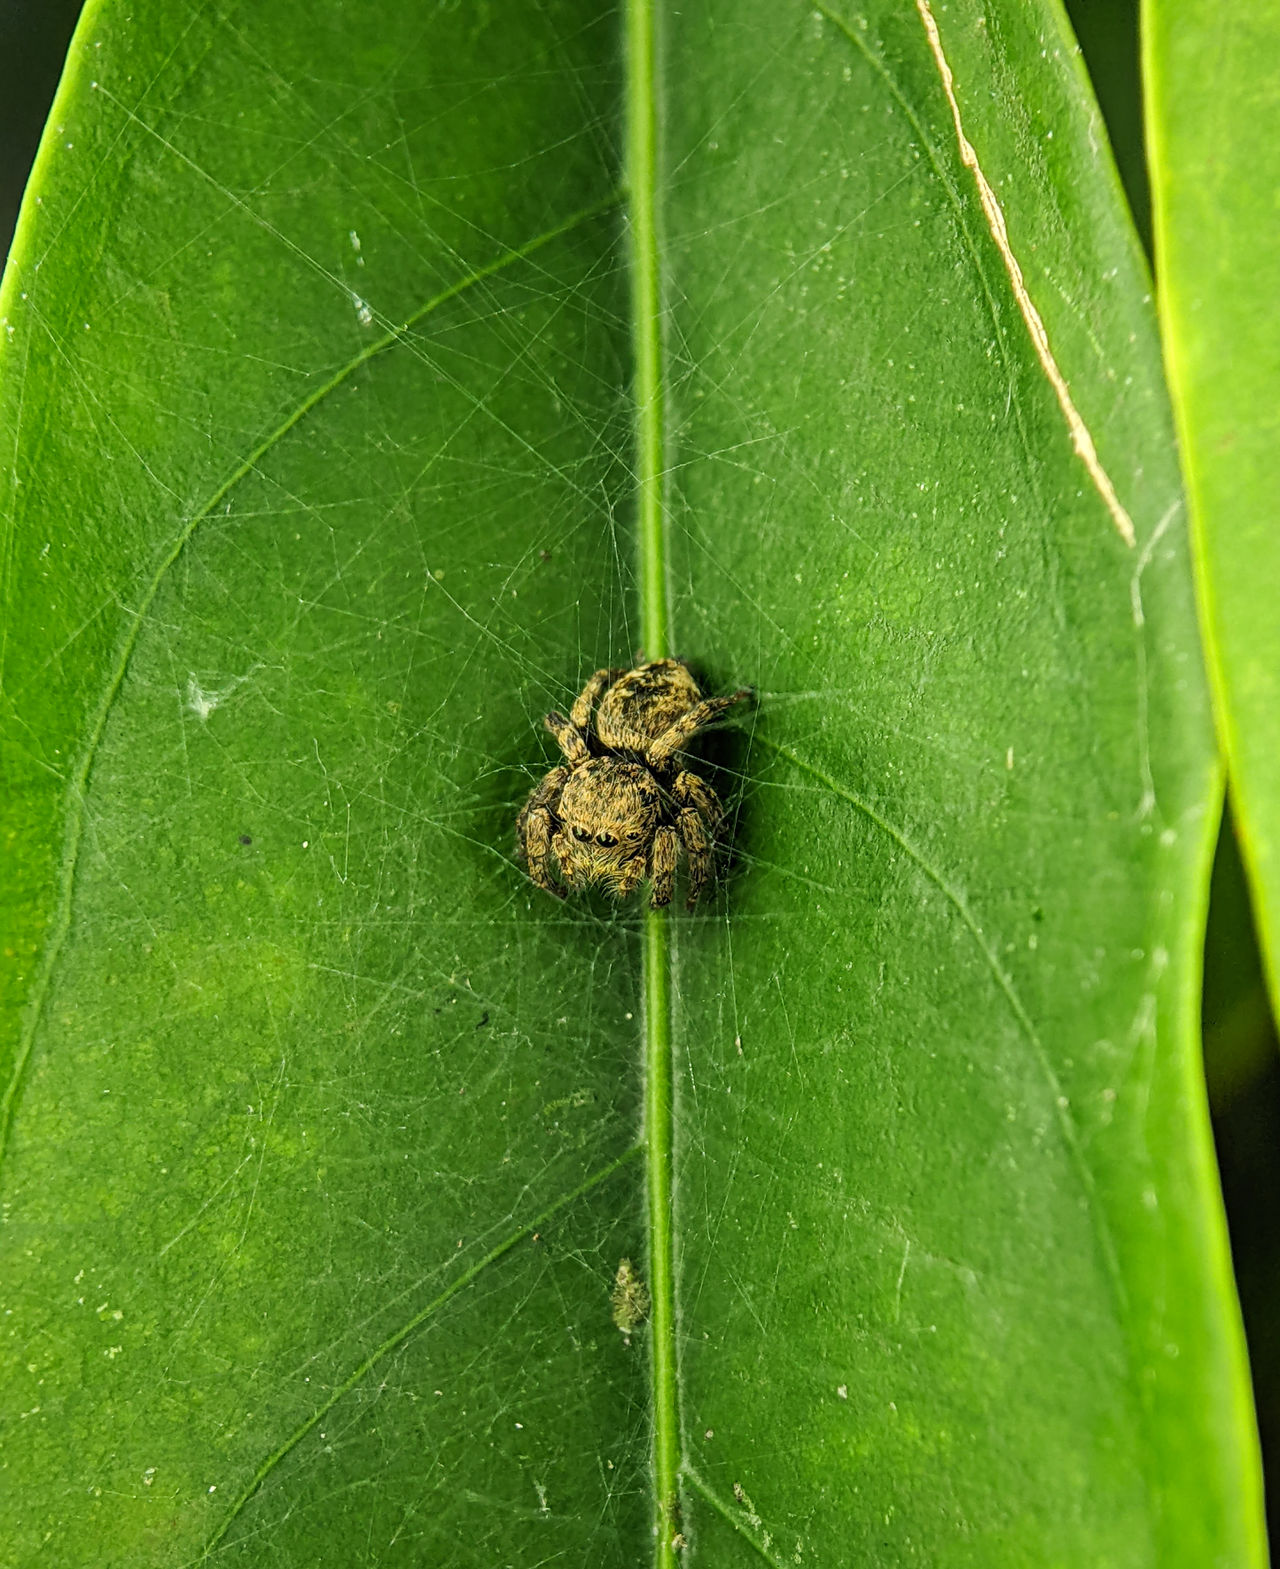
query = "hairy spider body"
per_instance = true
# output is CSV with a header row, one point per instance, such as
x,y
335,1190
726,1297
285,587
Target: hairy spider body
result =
x,y
621,808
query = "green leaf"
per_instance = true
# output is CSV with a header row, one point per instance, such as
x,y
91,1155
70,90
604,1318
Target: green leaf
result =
x,y
1214,184
325,1133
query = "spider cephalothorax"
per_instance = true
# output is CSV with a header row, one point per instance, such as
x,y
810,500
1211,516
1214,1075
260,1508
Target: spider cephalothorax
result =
x,y
621,807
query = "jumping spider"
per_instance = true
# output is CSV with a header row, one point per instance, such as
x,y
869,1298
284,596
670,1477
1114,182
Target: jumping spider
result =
x,y
623,806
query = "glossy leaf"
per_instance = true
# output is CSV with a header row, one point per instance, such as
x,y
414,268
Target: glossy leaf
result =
x,y
1214,181
323,1130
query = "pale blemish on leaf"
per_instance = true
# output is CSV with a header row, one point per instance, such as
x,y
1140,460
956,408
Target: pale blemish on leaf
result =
x,y
629,1299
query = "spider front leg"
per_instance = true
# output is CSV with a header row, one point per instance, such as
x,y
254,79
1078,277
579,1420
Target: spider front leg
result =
x,y
534,830
690,790
697,846
687,726
698,824
662,867
569,738
590,695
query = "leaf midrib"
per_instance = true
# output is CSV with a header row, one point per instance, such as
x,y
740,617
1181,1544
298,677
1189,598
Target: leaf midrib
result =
x,y
656,1066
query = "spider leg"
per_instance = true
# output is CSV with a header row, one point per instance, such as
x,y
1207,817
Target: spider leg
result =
x,y
662,867
569,738
590,695
534,830
697,846
661,751
537,842
544,794
690,790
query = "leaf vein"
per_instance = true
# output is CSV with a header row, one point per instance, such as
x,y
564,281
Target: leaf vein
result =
x,y
74,832
651,475
727,1514
398,1338
1061,1105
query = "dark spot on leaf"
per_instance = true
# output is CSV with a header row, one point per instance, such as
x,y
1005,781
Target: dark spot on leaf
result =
x,y
484,1019
246,839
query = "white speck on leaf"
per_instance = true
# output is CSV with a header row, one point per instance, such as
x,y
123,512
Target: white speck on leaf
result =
x,y
200,702
203,700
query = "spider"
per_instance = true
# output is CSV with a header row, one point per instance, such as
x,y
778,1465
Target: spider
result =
x,y
621,806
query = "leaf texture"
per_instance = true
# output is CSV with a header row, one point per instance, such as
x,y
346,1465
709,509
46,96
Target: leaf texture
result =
x,y
323,1133
1214,179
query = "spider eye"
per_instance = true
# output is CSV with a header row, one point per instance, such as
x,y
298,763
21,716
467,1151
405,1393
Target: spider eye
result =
x,y
636,833
606,840
581,835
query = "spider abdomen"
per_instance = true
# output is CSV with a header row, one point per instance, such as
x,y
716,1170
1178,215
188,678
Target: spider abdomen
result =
x,y
645,702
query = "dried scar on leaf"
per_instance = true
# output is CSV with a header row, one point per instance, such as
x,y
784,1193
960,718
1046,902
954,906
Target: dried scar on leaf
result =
x,y
629,1299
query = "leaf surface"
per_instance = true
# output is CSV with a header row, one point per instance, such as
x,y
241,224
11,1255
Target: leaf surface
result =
x,y
323,1132
1213,81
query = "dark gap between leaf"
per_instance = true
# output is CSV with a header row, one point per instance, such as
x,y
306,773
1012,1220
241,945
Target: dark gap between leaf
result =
x,y
1242,1065
1108,35
34,35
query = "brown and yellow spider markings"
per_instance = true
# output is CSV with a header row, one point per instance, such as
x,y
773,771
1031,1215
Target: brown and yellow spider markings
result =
x,y
621,806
